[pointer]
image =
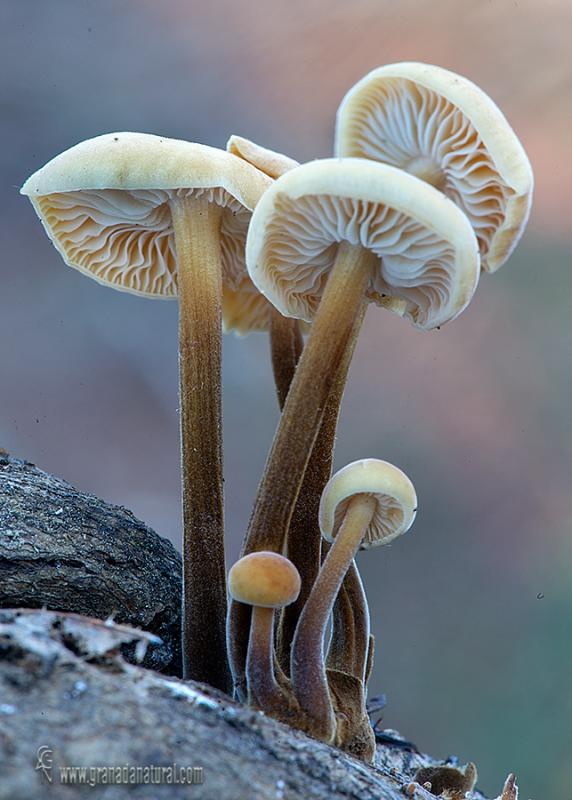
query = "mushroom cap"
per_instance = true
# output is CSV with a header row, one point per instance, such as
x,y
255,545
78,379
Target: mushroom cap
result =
x,y
264,579
268,161
105,205
428,265
394,492
442,127
244,309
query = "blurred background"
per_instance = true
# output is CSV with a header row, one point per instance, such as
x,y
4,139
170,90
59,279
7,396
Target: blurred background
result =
x,y
472,610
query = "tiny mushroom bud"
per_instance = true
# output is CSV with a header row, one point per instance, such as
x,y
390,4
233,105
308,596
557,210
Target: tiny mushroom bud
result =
x,y
447,131
367,503
265,581
164,218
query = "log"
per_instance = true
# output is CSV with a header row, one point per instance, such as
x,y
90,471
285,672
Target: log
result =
x,y
69,699
67,550
72,693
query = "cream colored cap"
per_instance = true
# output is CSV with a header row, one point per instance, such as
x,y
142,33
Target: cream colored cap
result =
x,y
244,309
444,129
105,205
428,265
268,161
394,492
264,579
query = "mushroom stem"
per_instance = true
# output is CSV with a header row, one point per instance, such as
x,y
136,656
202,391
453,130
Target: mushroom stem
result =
x,y
309,680
329,346
304,539
349,645
331,337
286,344
263,688
204,583
342,643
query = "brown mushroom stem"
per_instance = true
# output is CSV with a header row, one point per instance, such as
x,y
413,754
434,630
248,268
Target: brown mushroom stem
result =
x,y
263,688
307,669
349,645
331,342
198,251
304,540
342,643
286,344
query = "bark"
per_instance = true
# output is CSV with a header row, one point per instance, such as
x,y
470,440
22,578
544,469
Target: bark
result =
x,y
66,550
69,683
65,686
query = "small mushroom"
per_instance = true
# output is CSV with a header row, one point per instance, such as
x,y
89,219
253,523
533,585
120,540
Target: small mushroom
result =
x,y
337,234
447,131
266,581
164,218
365,504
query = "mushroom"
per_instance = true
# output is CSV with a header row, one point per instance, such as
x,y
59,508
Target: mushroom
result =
x,y
265,581
247,310
268,161
366,504
164,218
444,129
338,234
244,309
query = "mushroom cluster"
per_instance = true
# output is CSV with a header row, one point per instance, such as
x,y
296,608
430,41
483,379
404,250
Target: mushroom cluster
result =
x,y
429,186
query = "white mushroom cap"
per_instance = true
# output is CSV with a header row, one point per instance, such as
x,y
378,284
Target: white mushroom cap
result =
x,y
268,161
394,492
264,579
428,264
105,205
443,128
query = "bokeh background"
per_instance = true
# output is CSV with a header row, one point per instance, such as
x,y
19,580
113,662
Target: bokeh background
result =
x,y
472,610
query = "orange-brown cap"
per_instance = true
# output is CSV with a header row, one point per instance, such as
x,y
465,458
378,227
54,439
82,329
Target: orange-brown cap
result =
x,y
264,579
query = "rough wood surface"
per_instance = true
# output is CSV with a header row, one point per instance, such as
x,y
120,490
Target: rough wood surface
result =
x,y
66,550
69,697
64,686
